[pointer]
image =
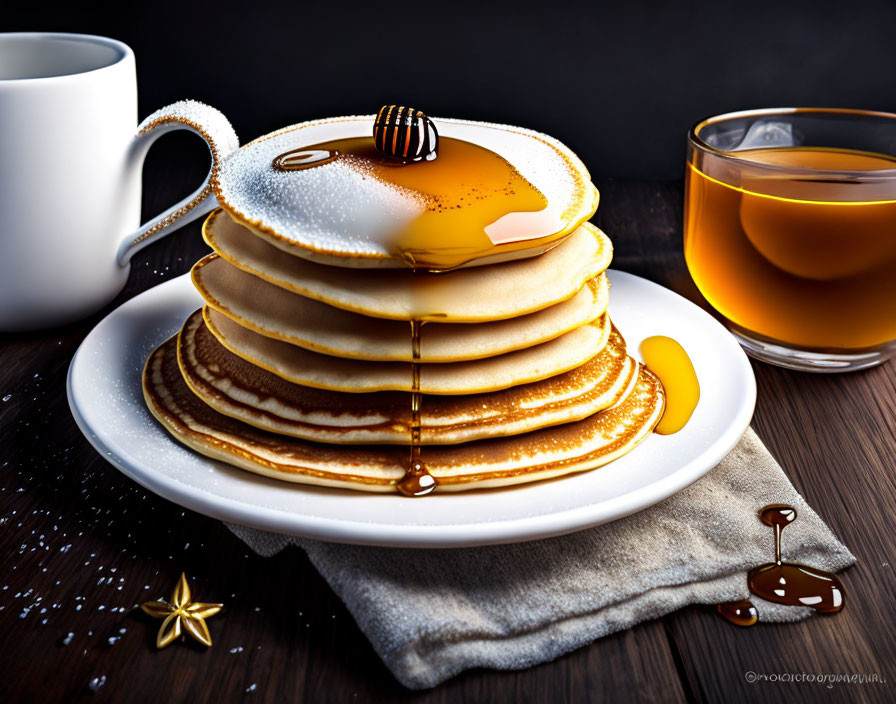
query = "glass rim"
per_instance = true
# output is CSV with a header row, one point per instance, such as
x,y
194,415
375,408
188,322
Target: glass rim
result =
x,y
698,143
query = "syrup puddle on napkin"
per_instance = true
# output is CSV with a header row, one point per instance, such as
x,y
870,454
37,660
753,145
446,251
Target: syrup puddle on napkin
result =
x,y
782,582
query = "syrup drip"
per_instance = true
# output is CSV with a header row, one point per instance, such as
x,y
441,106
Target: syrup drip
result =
x,y
788,583
471,192
740,613
669,361
417,481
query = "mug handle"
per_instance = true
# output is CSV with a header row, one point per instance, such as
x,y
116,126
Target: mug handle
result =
x,y
215,129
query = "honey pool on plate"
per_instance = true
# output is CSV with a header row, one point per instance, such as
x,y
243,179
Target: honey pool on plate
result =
x,y
807,260
667,359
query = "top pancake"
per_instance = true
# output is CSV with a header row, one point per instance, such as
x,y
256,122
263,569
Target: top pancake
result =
x,y
473,295
341,212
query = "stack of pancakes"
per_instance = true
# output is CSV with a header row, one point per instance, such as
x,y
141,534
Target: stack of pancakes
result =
x,y
305,371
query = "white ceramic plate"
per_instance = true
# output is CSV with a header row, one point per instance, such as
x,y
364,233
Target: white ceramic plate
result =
x,y
104,391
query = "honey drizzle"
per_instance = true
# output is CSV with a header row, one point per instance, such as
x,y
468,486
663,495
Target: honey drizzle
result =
x,y
416,326
417,481
786,583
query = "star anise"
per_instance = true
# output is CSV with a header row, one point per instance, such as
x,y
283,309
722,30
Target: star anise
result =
x,y
181,614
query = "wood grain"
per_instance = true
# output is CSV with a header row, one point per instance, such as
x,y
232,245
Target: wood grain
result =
x,y
80,540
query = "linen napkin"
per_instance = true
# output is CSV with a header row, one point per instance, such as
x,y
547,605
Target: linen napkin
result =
x,y
433,613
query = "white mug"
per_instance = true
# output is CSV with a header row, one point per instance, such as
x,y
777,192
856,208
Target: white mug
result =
x,y
71,156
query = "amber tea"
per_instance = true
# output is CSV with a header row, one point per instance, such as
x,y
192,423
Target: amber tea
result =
x,y
796,247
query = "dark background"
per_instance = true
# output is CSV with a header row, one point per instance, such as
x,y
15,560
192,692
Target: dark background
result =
x,y
618,82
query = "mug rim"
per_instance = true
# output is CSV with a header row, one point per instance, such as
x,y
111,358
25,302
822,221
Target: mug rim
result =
x,y
698,143
124,53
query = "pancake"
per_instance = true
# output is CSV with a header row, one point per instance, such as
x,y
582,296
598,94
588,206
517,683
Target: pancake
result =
x,y
542,454
475,295
275,312
356,209
308,368
238,389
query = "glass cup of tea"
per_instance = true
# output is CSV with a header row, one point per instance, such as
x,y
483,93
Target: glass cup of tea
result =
x,y
790,232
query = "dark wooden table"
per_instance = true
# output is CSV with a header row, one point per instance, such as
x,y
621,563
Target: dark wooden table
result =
x,y
81,544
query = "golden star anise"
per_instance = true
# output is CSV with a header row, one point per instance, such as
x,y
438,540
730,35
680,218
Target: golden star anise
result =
x,y
181,614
